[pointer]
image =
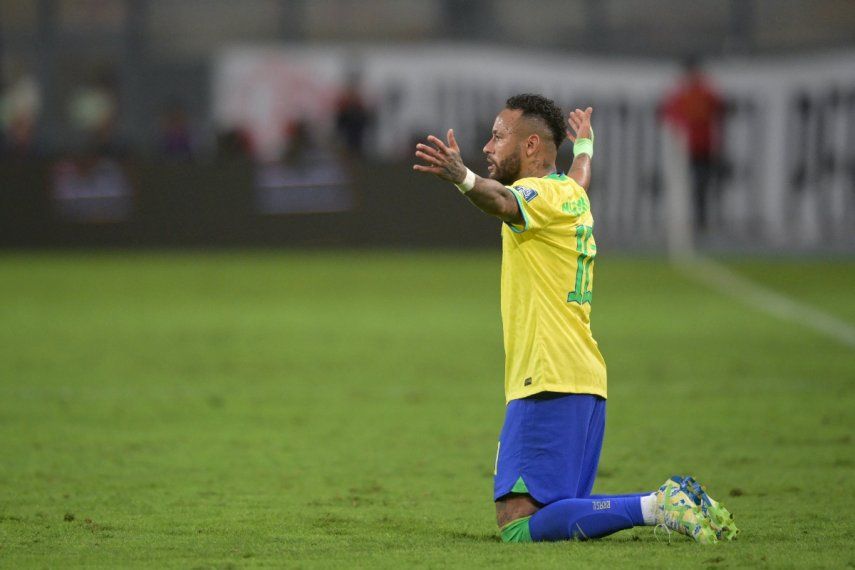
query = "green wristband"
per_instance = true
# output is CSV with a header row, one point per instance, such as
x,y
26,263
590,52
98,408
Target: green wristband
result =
x,y
584,146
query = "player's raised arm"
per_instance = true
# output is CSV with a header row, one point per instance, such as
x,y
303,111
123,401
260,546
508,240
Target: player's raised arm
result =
x,y
581,135
444,161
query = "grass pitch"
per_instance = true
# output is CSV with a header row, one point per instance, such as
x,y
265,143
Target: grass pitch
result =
x,y
315,410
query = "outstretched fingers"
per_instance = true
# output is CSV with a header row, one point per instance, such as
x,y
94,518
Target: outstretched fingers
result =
x,y
440,158
432,156
579,120
428,169
428,153
452,141
427,158
440,146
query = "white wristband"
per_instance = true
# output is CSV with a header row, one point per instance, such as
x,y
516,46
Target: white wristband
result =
x,y
467,183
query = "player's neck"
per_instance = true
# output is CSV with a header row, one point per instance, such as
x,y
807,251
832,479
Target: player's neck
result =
x,y
539,170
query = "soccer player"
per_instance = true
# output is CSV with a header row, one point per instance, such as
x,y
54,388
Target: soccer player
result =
x,y
555,377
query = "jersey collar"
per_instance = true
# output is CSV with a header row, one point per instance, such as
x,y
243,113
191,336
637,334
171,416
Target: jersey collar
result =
x,y
556,176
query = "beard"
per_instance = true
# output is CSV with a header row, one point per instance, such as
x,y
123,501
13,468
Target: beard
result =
x,y
508,170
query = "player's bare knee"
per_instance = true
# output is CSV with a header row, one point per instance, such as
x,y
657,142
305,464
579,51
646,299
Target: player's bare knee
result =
x,y
514,507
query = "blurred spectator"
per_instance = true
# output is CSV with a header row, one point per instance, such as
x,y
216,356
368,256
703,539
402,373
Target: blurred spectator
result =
x,y
175,138
300,144
353,117
309,178
234,144
695,108
20,104
93,113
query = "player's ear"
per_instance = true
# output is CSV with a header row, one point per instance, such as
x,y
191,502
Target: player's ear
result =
x,y
531,144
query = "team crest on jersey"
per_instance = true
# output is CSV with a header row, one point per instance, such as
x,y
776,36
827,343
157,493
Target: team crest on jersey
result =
x,y
528,194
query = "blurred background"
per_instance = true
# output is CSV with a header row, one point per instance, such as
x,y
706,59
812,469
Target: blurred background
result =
x,y
291,123
238,330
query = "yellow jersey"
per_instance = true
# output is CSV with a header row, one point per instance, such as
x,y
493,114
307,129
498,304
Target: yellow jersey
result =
x,y
547,278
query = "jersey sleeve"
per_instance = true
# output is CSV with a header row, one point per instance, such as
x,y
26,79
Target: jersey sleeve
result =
x,y
539,201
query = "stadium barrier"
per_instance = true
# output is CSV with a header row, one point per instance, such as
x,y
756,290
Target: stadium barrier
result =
x,y
157,204
197,205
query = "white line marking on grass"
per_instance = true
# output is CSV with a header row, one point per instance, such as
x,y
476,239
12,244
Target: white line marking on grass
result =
x,y
764,299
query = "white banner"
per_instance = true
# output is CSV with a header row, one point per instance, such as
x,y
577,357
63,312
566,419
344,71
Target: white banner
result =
x,y
787,172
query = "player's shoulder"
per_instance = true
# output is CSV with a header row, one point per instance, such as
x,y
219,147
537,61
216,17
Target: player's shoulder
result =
x,y
557,184
527,188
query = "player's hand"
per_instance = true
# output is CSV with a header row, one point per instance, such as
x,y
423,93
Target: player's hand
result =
x,y
580,124
441,159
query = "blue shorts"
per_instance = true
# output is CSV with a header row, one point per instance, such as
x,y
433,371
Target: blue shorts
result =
x,y
552,442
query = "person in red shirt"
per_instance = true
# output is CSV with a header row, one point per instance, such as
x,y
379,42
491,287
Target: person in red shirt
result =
x,y
695,108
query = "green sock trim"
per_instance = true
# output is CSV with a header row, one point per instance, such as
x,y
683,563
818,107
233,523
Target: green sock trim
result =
x,y
519,486
516,531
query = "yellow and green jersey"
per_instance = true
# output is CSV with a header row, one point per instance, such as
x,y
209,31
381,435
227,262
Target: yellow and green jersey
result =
x,y
547,277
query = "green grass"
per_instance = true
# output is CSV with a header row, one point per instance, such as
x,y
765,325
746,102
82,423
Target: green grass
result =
x,y
825,284
316,410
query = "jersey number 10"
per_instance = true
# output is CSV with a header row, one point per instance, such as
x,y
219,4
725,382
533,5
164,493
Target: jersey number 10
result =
x,y
581,292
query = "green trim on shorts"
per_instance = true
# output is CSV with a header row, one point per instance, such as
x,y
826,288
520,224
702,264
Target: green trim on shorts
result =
x,y
519,486
516,531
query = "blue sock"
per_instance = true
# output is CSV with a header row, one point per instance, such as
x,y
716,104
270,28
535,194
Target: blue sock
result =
x,y
628,495
585,518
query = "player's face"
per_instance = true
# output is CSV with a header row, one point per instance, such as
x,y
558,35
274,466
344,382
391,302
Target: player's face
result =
x,y
503,150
